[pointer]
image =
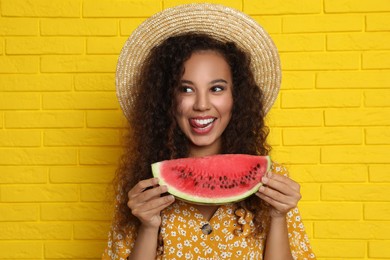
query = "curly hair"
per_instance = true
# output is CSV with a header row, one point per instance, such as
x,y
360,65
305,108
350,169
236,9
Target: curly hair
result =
x,y
154,134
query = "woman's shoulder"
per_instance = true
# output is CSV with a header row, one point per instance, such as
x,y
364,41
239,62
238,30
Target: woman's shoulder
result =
x,y
278,168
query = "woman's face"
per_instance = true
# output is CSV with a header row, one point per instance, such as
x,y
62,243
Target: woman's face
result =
x,y
204,101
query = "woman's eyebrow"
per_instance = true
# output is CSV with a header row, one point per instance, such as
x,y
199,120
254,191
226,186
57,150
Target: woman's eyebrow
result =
x,y
218,81
187,81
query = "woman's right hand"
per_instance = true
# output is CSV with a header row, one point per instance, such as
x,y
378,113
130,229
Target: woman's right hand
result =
x,y
146,202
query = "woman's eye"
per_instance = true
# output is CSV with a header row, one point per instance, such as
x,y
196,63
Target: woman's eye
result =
x,y
217,88
186,89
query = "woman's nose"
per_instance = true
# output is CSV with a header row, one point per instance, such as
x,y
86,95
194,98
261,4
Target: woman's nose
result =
x,y
202,102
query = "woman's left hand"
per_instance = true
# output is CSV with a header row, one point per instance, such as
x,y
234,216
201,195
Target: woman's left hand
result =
x,y
280,192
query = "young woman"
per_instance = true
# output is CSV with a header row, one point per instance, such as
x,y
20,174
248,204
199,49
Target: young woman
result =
x,y
195,94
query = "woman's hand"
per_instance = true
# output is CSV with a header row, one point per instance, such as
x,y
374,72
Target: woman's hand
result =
x,y
280,192
146,202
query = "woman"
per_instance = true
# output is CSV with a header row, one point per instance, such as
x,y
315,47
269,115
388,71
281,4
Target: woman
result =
x,y
191,94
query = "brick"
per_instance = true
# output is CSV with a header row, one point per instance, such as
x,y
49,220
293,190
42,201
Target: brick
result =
x,y
74,63
37,156
118,8
357,117
41,8
18,250
377,98
299,42
353,79
376,60
320,61
350,6
378,135
355,192
328,173
23,174
355,154
323,23
379,173
20,101
320,98
106,119
95,82
96,230
76,137
94,193
237,4
55,119
294,117
79,27
80,100
378,22
296,155
275,137
19,26
322,136
379,249
352,230
271,24
22,138
38,82
85,174
39,193
35,231
99,156
105,45
377,211
127,26
75,212
18,212
19,64
282,7
45,45
74,249
310,192
331,210
358,41
329,249
298,80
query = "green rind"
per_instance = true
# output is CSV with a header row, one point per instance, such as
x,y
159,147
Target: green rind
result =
x,y
203,200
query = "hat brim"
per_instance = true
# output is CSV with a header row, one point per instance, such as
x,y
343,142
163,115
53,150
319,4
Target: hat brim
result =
x,y
218,21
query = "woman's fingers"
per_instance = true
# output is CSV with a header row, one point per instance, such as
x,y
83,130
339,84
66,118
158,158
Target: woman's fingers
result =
x,y
154,206
142,185
281,183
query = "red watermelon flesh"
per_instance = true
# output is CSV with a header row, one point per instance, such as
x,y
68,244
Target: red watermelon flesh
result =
x,y
215,179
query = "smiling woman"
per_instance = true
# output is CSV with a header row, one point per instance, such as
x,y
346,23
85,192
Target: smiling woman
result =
x,y
198,91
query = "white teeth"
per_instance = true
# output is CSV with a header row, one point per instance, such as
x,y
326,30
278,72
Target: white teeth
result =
x,y
204,121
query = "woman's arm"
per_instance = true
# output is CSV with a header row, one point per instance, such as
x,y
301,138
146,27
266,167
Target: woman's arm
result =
x,y
283,195
146,203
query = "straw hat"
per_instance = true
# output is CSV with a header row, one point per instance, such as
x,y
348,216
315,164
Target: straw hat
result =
x,y
218,21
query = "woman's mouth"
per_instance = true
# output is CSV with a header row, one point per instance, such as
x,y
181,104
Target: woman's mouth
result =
x,y
202,125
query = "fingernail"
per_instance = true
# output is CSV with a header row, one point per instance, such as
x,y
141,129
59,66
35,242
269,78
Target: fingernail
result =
x,y
261,188
164,188
264,179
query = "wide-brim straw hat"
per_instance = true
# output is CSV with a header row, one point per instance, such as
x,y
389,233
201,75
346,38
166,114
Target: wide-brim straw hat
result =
x,y
220,22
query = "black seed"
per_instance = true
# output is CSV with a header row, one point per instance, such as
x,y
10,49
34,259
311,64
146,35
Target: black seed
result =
x,y
212,188
225,178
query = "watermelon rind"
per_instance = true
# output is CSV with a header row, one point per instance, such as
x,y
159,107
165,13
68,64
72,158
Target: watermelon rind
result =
x,y
202,200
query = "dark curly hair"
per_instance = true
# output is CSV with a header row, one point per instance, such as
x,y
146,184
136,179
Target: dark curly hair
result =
x,y
154,134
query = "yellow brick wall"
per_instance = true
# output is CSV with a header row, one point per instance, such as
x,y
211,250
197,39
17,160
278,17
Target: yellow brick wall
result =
x,y
60,123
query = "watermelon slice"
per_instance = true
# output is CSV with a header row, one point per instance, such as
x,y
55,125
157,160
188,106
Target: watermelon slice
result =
x,y
215,179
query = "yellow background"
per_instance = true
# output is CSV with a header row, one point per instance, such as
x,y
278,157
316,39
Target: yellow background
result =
x,y
61,127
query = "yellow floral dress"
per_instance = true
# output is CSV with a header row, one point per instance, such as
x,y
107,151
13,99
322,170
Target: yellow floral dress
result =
x,y
227,235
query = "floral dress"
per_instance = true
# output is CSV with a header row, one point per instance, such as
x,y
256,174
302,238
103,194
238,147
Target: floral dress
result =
x,y
227,235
